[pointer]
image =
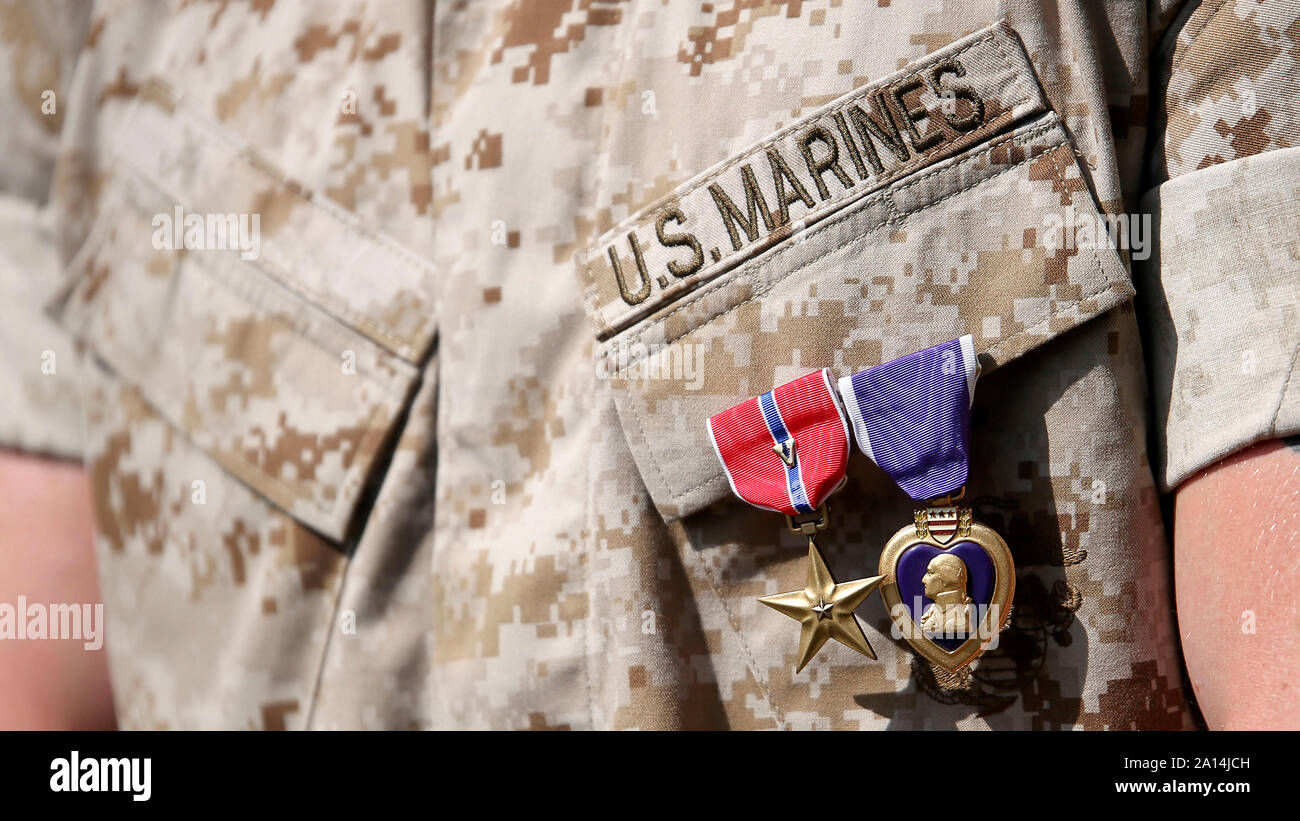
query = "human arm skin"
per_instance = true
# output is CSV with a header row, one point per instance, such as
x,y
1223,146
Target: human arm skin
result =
x,y
1237,558
47,555
1236,551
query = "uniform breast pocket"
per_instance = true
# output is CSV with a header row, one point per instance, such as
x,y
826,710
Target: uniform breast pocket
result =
x,y
255,351
935,203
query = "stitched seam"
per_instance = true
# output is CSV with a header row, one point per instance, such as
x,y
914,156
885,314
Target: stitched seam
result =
x,y
1031,330
274,264
372,431
692,186
348,222
751,660
406,346
1193,38
234,465
276,483
1272,425
764,291
783,252
251,298
715,477
858,237
1015,74
993,350
757,148
814,217
640,424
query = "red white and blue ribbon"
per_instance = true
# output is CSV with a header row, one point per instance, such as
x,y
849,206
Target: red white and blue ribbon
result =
x,y
911,416
786,450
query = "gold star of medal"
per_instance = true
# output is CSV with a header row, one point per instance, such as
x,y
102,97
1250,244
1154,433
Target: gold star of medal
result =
x,y
825,609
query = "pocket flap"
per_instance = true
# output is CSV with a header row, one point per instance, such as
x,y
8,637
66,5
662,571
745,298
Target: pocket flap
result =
x,y
251,359
952,99
981,243
306,243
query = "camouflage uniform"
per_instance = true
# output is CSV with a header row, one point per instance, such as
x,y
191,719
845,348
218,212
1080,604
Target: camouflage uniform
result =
x,y
436,457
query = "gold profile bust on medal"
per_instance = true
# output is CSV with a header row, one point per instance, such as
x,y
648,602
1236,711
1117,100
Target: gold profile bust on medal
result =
x,y
947,581
965,590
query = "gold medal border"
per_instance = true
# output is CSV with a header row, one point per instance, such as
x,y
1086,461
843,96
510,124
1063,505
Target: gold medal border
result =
x,y
1004,590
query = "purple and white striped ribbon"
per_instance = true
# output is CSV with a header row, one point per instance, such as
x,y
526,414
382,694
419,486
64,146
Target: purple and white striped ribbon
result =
x,y
911,416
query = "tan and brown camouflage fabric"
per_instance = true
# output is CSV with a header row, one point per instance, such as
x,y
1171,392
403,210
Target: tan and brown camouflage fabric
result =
x,y
434,454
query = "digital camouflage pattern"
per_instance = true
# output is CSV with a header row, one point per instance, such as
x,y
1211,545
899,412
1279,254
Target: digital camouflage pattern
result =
x,y
1222,295
1230,89
1227,241
40,406
408,468
855,140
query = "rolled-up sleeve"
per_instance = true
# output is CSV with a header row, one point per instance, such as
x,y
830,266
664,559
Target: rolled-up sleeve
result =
x,y
40,409
1221,296
1219,292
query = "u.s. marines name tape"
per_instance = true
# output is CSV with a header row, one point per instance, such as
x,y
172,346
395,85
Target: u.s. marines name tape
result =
x,y
931,109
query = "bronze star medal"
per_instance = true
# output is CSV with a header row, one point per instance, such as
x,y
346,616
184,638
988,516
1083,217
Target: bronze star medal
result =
x,y
756,443
825,609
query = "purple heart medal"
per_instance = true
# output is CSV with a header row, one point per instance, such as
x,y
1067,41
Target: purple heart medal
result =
x,y
948,581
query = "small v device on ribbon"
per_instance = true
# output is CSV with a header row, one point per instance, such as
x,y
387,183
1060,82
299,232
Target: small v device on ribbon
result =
x,y
947,580
787,451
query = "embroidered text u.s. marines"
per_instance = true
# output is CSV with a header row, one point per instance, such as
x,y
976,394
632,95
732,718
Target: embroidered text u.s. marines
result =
x,y
405,466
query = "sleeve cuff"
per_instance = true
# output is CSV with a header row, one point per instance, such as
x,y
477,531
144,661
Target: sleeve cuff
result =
x,y
1221,297
40,403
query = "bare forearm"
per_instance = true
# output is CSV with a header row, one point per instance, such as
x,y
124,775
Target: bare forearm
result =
x,y
47,557
1237,573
